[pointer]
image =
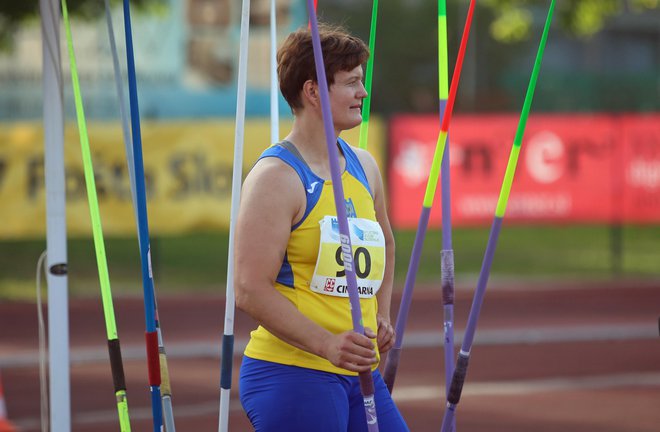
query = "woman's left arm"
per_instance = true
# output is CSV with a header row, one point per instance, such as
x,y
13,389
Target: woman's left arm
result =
x,y
386,336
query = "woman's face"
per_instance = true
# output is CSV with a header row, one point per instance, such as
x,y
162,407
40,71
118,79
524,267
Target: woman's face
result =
x,y
346,96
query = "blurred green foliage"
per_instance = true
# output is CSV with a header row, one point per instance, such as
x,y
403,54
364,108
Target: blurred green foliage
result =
x,y
513,18
602,55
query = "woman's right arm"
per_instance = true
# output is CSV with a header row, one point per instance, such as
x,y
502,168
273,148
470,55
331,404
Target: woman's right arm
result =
x,y
272,199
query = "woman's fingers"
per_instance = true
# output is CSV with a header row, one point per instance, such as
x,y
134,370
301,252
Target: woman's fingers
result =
x,y
358,344
386,336
352,351
357,363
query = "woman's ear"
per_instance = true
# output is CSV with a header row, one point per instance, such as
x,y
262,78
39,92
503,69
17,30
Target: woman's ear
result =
x,y
310,93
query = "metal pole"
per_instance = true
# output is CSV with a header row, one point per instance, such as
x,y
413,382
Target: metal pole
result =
x,y
58,315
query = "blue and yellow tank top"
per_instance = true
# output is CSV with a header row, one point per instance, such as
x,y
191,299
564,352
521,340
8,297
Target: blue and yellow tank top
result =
x,y
312,273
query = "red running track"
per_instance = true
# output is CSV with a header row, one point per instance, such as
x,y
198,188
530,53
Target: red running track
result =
x,y
547,357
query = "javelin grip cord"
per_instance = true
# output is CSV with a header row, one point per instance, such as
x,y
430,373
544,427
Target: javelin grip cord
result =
x,y
165,387
447,266
226,362
367,383
153,361
116,365
457,380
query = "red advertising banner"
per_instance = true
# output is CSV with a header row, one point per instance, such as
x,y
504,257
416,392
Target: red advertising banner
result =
x,y
572,168
640,157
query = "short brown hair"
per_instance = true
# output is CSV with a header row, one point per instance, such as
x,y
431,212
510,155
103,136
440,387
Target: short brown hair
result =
x,y
295,59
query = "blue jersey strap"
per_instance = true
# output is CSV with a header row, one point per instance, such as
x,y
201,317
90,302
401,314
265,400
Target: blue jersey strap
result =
x,y
312,183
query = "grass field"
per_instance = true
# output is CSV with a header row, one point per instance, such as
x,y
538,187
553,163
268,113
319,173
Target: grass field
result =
x,y
197,262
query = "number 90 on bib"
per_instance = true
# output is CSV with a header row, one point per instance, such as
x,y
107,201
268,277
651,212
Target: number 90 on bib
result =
x,y
367,259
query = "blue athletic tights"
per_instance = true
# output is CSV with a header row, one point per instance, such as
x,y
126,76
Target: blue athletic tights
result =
x,y
278,397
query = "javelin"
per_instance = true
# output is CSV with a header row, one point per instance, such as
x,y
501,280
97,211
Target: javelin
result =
x,y
228,333
366,379
458,378
392,362
122,104
447,261
316,5
128,142
151,336
274,109
114,350
366,103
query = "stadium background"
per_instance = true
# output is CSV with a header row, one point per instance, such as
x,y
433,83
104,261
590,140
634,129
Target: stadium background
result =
x,y
585,213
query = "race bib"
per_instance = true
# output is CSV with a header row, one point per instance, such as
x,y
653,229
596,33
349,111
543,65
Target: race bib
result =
x,y
367,260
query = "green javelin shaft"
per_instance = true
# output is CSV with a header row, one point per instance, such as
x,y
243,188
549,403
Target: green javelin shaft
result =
x,y
99,246
522,124
366,103
443,58
432,182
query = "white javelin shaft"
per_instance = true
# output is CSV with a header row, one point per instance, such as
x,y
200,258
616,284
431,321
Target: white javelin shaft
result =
x,y
125,125
228,334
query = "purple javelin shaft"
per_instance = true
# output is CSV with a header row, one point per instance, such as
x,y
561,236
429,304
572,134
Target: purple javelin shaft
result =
x,y
447,265
394,354
454,393
445,188
366,379
484,274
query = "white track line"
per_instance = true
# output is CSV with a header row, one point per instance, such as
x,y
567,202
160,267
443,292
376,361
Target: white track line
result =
x,y
517,388
535,335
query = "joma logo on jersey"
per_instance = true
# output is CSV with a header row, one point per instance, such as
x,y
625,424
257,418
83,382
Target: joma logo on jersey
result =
x,y
329,285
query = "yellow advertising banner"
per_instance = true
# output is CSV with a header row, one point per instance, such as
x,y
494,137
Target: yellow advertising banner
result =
x,y
188,171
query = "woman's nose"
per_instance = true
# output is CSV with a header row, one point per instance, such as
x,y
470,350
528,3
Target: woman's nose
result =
x,y
363,91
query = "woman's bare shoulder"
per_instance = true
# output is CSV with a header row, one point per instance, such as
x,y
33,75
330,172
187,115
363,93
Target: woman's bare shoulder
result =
x,y
366,159
271,172
370,167
272,182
